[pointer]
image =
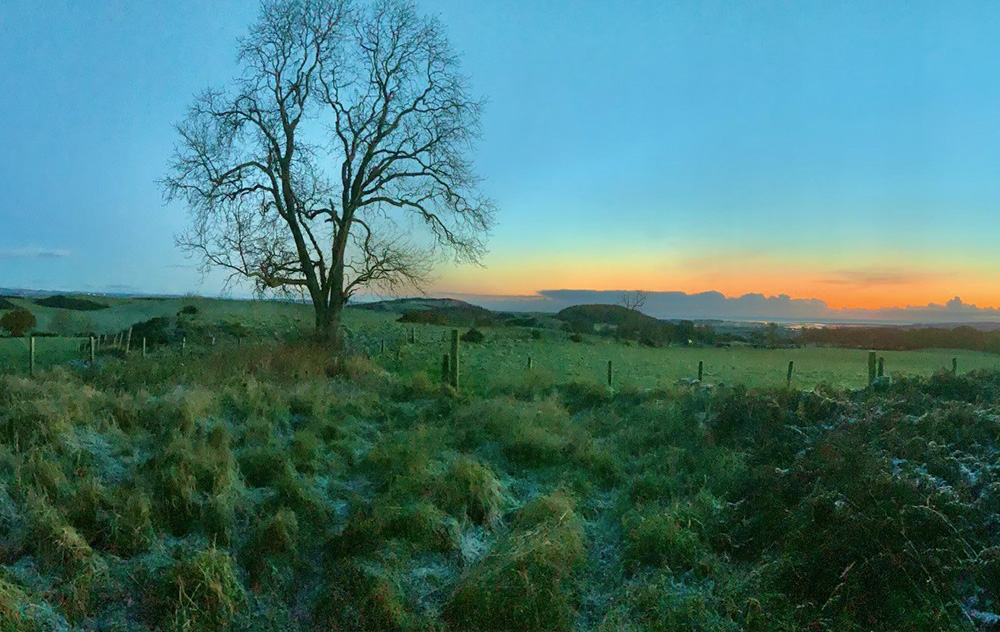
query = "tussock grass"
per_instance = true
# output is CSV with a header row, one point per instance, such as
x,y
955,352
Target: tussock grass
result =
x,y
273,487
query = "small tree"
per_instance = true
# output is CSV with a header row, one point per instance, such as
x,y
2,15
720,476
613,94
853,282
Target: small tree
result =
x,y
18,322
634,300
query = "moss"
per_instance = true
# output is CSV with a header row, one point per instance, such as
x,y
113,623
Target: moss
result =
x,y
524,582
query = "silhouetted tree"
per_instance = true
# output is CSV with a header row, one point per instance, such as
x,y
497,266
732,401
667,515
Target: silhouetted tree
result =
x,y
633,300
348,128
18,322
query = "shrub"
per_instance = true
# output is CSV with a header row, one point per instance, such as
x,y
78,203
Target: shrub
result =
x,y
188,310
576,338
473,336
18,322
424,317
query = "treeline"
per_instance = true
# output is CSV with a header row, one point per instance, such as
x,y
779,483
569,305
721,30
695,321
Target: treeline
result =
x,y
617,322
903,339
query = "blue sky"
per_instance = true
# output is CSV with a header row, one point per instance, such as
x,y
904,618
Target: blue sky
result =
x,y
843,151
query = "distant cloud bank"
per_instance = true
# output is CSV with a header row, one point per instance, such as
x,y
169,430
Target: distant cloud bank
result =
x,y
33,252
715,305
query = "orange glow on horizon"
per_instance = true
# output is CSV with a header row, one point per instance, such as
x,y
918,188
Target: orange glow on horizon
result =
x,y
872,288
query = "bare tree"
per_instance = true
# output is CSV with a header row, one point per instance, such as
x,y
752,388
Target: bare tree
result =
x,y
348,129
633,300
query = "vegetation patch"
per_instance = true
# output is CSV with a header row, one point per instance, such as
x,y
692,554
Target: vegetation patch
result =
x,y
70,302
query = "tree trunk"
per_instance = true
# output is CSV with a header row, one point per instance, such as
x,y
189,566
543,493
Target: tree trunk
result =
x,y
328,321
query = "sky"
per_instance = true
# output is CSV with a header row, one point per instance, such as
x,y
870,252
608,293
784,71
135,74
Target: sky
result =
x,y
847,152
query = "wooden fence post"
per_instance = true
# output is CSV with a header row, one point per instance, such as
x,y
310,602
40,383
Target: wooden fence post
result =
x,y
445,370
454,358
701,367
382,346
144,346
31,356
881,366
530,363
611,374
788,381
871,366
954,366
93,350
128,341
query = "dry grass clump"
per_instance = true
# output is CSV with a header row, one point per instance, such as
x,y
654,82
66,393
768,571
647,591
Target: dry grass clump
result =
x,y
471,490
524,583
198,591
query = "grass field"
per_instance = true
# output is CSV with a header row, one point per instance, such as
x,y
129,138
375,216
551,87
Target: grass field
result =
x,y
501,361
269,488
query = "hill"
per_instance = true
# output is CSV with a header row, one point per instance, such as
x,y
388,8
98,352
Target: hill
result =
x,y
70,302
435,311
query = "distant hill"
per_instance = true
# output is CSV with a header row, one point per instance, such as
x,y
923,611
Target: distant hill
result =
x,y
436,311
613,315
69,302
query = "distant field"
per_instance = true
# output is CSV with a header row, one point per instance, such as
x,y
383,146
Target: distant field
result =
x,y
502,359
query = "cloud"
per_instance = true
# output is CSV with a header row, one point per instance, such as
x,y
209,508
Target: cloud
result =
x,y
749,307
874,277
33,252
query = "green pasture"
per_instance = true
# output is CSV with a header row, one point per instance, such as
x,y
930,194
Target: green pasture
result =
x,y
502,359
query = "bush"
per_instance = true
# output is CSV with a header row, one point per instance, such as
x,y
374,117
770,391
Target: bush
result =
x,y
188,310
473,336
424,317
18,322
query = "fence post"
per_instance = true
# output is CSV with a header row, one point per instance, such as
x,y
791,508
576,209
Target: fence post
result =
x,y
454,358
144,346
611,374
881,366
93,350
445,370
871,367
954,366
701,367
31,356
788,381
213,341
128,341
530,363
382,346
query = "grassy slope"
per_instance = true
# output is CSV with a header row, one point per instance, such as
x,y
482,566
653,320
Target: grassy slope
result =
x,y
247,488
